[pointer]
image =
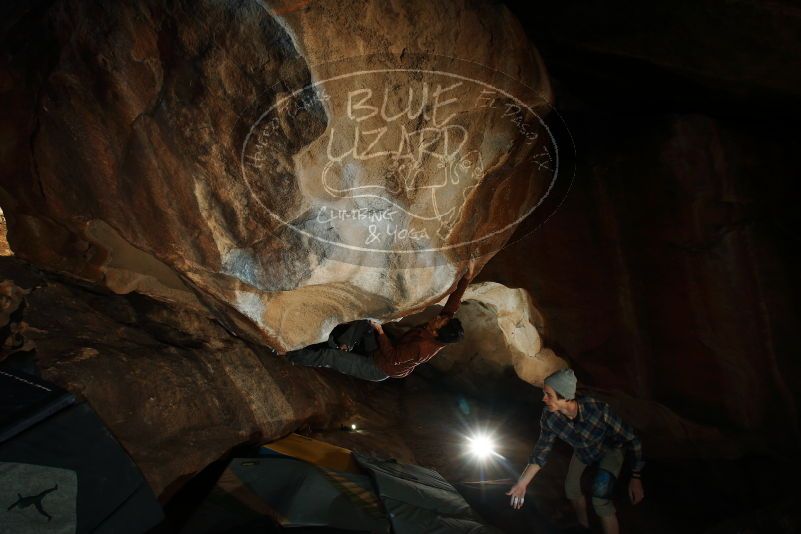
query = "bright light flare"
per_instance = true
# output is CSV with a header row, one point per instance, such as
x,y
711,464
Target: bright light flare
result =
x,y
482,446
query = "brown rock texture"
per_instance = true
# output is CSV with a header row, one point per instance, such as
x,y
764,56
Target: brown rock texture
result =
x,y
175,388
288,167
5,250
501,340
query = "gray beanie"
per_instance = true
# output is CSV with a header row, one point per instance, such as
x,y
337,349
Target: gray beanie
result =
x,y
563,382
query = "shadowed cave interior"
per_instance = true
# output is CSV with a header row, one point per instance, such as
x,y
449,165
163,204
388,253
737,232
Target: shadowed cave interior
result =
x,y
191,192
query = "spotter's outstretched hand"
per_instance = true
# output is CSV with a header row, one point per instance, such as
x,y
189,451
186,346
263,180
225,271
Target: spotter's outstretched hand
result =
x,y
518,493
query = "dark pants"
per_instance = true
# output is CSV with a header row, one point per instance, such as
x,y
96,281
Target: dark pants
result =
x,y
357,335
347,363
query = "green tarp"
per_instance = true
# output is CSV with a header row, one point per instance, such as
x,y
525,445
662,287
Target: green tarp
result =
x,y
61,470
299,482
420,500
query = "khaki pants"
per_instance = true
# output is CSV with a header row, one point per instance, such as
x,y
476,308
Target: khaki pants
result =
x,y
603,485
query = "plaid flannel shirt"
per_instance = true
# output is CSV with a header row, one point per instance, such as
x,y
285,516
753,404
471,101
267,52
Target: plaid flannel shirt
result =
x,y
592,433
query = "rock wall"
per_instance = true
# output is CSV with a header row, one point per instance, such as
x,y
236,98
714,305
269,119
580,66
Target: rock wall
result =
x,y
667,274
174,387
501,345
5,250
185,150
288,167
